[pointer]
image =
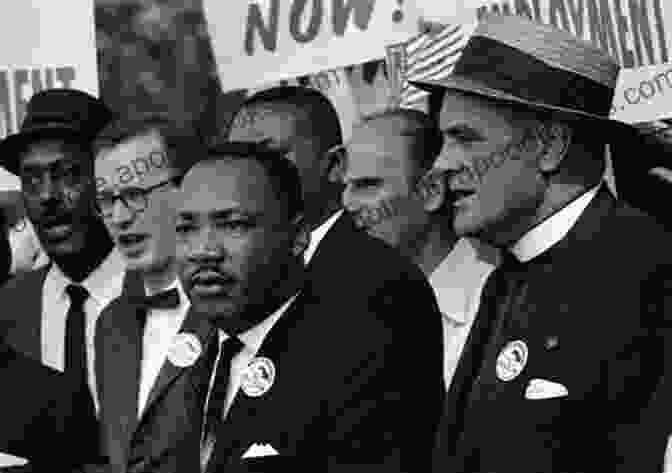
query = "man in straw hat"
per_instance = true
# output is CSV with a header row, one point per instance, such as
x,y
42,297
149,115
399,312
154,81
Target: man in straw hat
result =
x,y
567,347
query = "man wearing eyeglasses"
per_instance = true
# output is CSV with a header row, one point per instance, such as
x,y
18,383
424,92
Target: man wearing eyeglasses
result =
x,y
50,314
147,408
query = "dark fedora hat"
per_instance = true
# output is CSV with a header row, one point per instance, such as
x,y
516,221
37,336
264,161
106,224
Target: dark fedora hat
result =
x,y
515,60
55,112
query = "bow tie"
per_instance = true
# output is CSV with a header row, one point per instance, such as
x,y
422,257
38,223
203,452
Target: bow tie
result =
x,y
169,299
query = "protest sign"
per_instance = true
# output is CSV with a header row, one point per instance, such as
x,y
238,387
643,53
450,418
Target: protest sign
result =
x,y
40,54
643,94
256,42
634,32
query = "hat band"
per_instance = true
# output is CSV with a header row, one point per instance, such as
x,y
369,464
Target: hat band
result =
x,y
510,70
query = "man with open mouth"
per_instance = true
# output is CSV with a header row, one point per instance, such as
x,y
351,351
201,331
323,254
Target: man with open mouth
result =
x,y
139,162
574,319
51,313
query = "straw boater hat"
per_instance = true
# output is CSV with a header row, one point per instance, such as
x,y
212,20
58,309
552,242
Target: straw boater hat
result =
x,y
514,60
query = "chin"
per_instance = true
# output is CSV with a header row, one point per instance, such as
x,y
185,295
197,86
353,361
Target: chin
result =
x,y
214,308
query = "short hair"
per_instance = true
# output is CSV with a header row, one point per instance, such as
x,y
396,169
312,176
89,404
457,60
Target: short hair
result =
x,y
319,111
428,137
282,173
183,146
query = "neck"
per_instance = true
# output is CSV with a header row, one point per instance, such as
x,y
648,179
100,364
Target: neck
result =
x,y
156,280
326,210
556,197
439,242
272,300
79,266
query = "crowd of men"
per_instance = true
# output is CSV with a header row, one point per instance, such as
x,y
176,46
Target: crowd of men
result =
x,y
456,291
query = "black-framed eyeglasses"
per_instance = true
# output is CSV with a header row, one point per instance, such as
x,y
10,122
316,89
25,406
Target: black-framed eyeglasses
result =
x,y
135,199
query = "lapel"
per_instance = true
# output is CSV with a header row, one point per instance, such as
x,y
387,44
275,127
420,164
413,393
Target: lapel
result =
x,y
249,417
26,335
576,244
197,324
121,347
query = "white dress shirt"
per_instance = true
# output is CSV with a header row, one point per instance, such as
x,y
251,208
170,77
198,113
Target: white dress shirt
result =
x,y
160,328
552,230
318,234
252,339
457,282
104,285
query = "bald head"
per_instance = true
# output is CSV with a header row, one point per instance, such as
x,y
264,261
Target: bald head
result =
x,y
311,114
302,124
388,132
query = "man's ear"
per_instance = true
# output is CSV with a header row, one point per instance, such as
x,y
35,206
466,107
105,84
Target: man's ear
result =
x,y
334,163
433,190
301,236
555,138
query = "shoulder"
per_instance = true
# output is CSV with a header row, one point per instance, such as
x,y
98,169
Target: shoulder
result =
x,y
24,370
27,280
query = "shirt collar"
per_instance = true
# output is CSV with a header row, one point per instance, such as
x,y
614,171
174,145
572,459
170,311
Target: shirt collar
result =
x,y
174,285
103,284
318,234
458,278
552,230
254,337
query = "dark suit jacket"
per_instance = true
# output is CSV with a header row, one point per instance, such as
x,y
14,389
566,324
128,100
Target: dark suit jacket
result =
x,y
358,359
167,437
21,322
600,294
41,419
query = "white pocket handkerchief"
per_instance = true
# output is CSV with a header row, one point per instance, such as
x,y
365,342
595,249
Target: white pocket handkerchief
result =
x,y
544,389
260,450
10,460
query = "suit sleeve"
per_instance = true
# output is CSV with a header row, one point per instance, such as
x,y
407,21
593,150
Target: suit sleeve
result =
x,y
639,384
389,422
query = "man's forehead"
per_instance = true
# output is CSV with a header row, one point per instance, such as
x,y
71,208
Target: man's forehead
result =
x,y
141,160
49,150
226,184
476,112
374,152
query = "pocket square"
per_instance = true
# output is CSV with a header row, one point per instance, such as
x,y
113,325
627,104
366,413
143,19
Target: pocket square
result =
x,y
10,460
543,389
260,450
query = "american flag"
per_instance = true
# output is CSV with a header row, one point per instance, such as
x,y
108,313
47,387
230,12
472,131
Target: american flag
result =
x,y
430,55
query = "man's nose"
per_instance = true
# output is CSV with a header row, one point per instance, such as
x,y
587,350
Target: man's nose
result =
x,y
49,189
206,246
452,157
121,216
349,198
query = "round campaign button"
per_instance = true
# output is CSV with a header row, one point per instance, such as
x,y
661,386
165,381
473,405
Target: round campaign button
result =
x,y
511,360
258,377
185,350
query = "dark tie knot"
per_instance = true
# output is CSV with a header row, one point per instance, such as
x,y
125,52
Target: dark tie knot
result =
x,y
77,294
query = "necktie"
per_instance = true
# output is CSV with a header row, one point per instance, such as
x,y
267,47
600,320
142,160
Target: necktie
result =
x,y
492,312
169,299
214,409
75,336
